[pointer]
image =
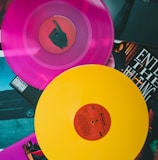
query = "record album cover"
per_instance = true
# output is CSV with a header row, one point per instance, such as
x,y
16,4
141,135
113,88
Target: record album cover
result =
x,y
30,93
140,64
16,112
135,20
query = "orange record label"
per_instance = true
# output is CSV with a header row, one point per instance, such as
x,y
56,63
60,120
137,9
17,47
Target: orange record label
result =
x,y
57,34
92,122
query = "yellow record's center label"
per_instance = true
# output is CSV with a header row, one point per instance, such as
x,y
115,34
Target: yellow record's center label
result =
x,y
92,121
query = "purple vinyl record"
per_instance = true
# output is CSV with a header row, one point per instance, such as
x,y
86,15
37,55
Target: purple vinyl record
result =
x,y
43,38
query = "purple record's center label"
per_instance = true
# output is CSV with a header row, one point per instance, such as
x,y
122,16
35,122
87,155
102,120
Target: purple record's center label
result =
x,y
57,34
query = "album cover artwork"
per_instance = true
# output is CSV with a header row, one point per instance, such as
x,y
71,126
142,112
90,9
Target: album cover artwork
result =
x,y
30,93
140,64
16,112
135,20
25,149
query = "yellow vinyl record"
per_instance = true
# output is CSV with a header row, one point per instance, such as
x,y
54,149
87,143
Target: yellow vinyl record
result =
x,y
91,112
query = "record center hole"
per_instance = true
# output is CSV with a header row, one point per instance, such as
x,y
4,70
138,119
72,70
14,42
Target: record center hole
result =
x,y
93,122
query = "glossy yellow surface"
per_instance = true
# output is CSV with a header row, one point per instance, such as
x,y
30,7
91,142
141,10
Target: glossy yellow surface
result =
x,y
81,85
